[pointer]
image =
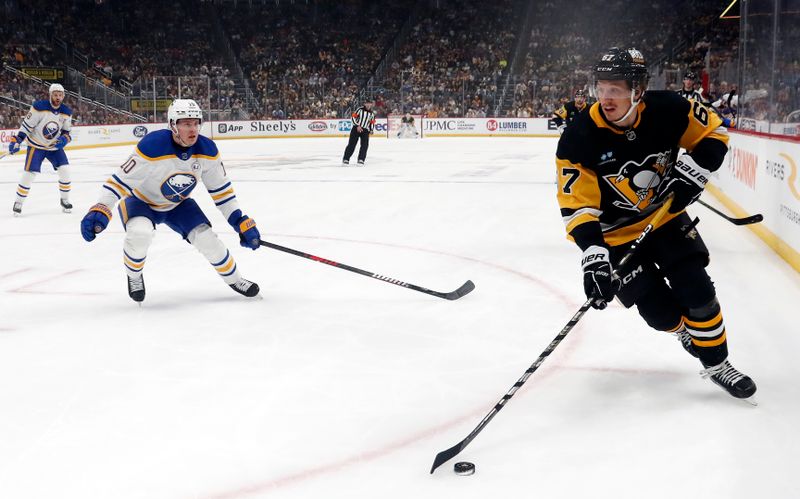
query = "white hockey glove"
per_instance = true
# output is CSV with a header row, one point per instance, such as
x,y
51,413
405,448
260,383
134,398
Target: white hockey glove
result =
x,y
686,180
598,280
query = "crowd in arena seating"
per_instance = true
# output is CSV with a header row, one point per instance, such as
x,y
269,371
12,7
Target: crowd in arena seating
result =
x,y
453,61
120,45
567,37
311,59
18,92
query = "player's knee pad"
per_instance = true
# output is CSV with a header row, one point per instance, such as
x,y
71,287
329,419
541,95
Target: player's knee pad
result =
x,y
64,173
659,309
138,235
690,283
705,311
27,178
206,242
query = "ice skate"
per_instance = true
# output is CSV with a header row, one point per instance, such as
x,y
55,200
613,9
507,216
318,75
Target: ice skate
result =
x,y
732,381
360,162
66,206
136,289
17,209
345,162
245,287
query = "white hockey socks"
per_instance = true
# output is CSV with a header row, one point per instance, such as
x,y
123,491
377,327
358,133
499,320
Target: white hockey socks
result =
x,y
207,243
64,184
138,236
24,186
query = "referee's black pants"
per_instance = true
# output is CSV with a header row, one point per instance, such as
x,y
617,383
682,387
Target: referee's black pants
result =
x,y
351,144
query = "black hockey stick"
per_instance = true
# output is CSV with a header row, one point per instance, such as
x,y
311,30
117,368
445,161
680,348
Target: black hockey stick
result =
x,y
450,453
452,295
730,98
752,219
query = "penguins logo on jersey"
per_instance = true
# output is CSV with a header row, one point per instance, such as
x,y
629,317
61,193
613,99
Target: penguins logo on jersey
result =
x,y
177,187
50,130
636,183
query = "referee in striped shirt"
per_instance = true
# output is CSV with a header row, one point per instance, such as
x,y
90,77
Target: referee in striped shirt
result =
x,y
363,126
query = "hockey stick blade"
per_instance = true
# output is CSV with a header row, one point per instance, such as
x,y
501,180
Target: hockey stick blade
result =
x,y
752,219
447,455
465,289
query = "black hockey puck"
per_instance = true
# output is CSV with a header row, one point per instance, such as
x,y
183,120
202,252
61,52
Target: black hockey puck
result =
x,y
464,468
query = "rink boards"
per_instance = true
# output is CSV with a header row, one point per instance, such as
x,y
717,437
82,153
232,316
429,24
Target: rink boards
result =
x,y
759,175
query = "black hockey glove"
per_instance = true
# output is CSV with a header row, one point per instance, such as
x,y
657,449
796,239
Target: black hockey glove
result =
x,y
686,180
598,281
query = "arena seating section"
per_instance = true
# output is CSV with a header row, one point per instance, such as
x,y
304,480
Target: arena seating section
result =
x,y
310,59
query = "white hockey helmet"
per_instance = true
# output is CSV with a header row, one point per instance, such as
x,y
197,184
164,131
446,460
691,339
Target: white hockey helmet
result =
x,y
181,109
56,87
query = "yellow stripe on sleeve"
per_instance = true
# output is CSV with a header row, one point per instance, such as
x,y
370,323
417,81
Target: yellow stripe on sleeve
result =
x,y
226,193
703,123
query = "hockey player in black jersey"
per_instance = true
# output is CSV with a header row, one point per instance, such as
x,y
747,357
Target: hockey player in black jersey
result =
x,y
564,115
616,165
687,91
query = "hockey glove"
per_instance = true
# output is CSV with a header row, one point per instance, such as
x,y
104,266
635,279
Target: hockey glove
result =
x,y
561,129
62,141
15,143
95,221
686,180
249,237
598,281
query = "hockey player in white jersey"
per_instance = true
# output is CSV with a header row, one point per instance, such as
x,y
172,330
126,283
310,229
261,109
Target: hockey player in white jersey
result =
x,y
153,187
46,128
407,127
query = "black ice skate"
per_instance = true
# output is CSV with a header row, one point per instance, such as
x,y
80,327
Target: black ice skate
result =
x,y
245,287
17,209
360,162
345,162
136,289
686,342
66,206
734,382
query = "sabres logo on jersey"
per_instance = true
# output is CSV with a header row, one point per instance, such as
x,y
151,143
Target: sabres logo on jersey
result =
x,y
50,130
636,183
177,187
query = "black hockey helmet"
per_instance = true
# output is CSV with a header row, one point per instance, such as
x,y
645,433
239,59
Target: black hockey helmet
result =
x,y
619,64
690,76
580,93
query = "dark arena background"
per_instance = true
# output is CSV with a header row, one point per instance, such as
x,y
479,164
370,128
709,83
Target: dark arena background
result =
x,y
397,299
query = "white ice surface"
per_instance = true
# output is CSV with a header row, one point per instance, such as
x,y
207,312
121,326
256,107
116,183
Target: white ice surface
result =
x,y
337,385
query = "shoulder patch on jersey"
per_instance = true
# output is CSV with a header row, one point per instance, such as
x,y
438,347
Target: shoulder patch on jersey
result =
x,y
156,144
205,147
42,105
